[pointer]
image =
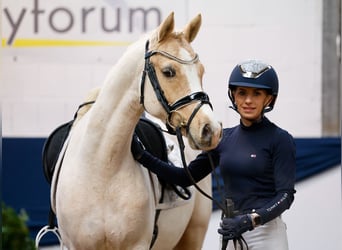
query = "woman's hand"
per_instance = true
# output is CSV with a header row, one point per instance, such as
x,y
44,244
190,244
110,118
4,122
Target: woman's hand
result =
x,y
232,228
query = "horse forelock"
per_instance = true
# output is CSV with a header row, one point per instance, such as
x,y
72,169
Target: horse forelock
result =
x,y
171,43
188,76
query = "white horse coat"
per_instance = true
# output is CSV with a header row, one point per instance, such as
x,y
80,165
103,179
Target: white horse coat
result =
x,y
103,199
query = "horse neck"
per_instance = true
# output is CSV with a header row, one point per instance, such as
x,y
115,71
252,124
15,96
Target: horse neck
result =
x,y
117,109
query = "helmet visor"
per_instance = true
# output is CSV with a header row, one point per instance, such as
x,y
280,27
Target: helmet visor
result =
x,y
250,85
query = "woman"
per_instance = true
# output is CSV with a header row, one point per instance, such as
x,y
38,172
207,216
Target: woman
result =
x,y
256,160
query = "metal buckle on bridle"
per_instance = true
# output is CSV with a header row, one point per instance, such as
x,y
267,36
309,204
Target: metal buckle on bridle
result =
x,y
182,122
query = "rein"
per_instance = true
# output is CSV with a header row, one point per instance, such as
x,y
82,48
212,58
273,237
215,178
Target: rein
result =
x,y
227,209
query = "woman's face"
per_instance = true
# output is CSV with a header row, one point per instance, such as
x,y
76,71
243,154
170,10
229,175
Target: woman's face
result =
x,y
250,103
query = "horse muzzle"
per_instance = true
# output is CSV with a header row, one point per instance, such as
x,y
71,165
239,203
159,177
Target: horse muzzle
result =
x,y
205,137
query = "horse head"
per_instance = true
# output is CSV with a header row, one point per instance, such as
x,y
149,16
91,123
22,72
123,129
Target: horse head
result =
x,y
171,87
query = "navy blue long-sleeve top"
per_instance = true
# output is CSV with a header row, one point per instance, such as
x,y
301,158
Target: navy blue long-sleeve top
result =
x,y
257,164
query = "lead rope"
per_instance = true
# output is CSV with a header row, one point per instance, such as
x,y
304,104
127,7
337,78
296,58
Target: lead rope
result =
x,y
227,210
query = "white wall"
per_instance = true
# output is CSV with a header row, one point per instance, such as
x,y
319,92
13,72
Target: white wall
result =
x,y
286,34
41,86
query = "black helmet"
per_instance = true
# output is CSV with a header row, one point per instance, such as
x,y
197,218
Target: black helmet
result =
x,y
255,74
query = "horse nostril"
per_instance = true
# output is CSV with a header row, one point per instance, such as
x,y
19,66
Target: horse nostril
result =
x,y
206,132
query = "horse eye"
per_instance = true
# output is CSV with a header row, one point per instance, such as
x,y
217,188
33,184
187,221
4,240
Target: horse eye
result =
x,y
169,72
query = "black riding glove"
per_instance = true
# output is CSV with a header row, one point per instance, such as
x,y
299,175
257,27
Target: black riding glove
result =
x,y
232,228
137,148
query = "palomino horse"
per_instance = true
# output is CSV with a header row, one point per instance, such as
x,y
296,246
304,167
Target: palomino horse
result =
x,y
101,196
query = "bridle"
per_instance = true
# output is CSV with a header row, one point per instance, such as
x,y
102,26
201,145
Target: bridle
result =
x,y
170,108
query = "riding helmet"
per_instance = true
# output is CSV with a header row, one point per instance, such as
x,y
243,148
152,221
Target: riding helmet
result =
x,y
255,74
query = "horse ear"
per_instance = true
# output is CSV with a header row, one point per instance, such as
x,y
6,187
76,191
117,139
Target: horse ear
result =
x,y
166,27
192,28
